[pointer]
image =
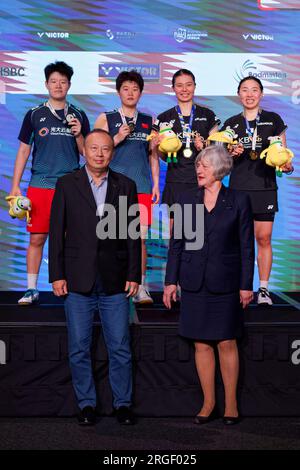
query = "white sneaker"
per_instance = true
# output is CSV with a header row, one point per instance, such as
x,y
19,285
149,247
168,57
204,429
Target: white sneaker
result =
x,y
263,297
143,296
31,296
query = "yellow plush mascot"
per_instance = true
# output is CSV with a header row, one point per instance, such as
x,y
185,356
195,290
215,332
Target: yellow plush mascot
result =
x,y
170,143
19,207
225,138
276,154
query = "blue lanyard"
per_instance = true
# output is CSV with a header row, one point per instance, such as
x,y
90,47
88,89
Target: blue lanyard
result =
x,y
183,124
248,128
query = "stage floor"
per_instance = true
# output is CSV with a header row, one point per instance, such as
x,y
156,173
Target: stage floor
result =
x,y
35,377
49,311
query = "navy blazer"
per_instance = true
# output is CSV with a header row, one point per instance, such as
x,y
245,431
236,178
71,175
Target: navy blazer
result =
x,y
225,263
75,252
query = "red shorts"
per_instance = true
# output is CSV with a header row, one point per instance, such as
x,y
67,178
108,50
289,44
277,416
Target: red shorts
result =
x,y
41,201
145,206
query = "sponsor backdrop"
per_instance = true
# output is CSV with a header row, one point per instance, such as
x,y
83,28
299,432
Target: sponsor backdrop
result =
x,y
218,41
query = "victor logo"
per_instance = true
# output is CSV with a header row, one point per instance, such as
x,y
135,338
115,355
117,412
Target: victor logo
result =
x,y
54,35
259,37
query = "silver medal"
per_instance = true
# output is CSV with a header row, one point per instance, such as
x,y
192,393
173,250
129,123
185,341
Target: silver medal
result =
x,y
69,117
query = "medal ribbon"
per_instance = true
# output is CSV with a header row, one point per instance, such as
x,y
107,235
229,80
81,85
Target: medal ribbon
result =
x,y
188,131
252,135
134,119
66,108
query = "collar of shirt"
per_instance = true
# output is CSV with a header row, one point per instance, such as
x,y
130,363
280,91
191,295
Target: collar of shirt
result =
x,y
91,180
99,191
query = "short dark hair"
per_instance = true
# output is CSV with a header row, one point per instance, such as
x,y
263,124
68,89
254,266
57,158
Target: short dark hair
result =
x,y
182,72
130,76
257,80
100,131
60,67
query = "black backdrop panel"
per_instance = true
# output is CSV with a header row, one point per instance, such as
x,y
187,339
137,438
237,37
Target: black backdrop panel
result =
x,y
35,377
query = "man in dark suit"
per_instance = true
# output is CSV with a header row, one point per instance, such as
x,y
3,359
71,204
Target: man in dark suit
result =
x,y
95,266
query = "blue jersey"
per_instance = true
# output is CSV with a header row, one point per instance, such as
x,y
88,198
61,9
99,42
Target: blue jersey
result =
x,y
55,150
131,156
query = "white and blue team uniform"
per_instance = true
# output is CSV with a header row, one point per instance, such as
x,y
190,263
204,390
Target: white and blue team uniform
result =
x,y
55,152
131,156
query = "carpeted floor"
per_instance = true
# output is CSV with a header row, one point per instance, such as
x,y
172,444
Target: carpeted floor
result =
x,y
159,434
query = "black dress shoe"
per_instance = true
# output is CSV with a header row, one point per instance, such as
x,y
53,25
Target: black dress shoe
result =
x,y
124,415
87,416
206,419
229,420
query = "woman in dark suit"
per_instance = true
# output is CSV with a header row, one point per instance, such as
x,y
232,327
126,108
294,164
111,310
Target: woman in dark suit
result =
x,y
215,279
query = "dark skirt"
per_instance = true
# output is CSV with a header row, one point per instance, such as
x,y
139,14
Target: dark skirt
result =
x,y
206,316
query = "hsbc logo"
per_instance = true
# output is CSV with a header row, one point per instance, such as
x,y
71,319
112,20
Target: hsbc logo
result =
x,y
59,35
258,37
149,72
12,71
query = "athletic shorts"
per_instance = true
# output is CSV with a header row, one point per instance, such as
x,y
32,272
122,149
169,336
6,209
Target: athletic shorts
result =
x,y
41,201
264,217
264,204
145,206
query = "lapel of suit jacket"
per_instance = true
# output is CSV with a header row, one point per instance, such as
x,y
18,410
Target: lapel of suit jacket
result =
x,y
84,187
219,209
199,200
112,189
200,196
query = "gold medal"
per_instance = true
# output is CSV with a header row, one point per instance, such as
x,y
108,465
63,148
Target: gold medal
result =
x,y
187,153
253,155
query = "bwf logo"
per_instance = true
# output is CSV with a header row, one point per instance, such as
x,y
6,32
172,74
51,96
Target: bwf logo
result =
x,y
2,352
